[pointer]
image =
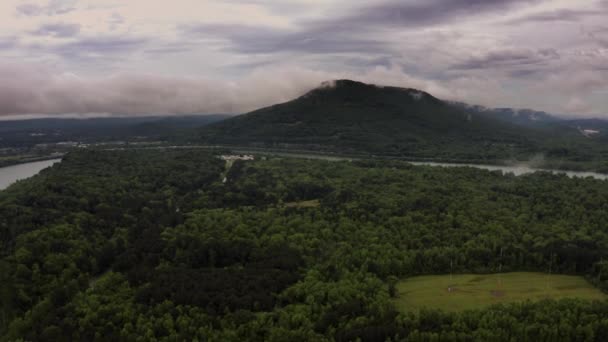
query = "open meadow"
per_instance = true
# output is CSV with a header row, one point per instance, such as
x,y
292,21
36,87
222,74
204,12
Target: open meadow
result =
x,y
474,291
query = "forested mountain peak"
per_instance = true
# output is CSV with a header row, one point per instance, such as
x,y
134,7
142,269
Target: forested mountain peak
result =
x,y
350,116
355,90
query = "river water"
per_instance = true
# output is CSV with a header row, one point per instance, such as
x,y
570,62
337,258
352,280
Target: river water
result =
x,y
13,173
516,170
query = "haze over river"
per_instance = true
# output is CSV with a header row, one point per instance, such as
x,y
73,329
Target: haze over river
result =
x,y
13,173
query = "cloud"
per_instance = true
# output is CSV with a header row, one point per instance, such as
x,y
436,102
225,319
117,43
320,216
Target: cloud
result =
x,y
524,73
515,53
43,90
563,15
170,48
362,30
115,21
53,7
245,39
8,43
577,105
386,29
599,35
509,58
281,7
424,13
58,30
30,10
38,90
99,46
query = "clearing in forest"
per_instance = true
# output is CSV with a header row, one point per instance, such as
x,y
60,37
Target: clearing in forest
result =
x,y
304,204
474,291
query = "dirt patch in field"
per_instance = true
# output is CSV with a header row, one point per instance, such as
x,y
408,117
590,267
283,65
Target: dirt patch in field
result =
x,y
497,293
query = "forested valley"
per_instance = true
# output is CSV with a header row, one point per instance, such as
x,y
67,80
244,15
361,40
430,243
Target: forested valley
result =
x,y
173,245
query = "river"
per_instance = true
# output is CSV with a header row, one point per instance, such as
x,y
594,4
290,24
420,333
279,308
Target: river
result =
x,y
13,173
516,170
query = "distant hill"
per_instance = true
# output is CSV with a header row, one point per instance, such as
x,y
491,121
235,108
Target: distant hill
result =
x,y
593,128
349,116
522,117
24,133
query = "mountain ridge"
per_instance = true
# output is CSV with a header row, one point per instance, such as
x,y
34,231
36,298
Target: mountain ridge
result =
x,y
348,116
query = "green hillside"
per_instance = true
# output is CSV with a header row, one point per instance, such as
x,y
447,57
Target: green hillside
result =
x,y
350,116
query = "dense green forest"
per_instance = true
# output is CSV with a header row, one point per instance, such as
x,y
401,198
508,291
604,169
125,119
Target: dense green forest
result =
x,y
170,245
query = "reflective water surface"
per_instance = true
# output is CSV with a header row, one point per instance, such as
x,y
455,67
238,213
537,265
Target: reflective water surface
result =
x,y
13,173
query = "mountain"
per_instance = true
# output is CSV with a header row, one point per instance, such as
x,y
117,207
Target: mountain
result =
x,y
592,128
349,116
522,117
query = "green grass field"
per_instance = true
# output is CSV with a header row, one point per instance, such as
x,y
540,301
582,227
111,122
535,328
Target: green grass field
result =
x,y
304,204
473,291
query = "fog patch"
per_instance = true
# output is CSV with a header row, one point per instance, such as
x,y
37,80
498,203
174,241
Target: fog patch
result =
x,y
40,90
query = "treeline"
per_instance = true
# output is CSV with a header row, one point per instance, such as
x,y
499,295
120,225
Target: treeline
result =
x,y
151,245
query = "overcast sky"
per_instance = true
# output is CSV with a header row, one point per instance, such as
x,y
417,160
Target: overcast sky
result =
x,y
194,56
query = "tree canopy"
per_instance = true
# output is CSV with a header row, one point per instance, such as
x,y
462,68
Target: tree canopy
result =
x,y
154,245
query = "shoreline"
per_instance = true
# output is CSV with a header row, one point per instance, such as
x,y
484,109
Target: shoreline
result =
x,y
30,160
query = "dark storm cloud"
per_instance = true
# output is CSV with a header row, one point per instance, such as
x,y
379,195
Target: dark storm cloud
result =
x,y
58,30
509,58
253,39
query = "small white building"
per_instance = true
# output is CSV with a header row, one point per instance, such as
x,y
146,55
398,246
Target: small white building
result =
x,y
234,157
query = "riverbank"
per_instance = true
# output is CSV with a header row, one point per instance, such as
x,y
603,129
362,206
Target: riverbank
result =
x,y
515,166
537,163
16,160
13,173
